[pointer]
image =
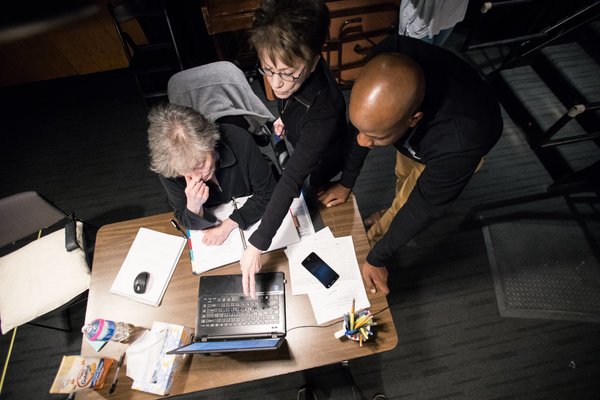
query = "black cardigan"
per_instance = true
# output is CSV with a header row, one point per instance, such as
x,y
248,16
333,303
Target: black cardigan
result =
x,y
315,124
461,123
242,171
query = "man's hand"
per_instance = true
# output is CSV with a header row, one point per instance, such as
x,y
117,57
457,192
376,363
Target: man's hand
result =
x,y
334,195
375,278
216,235
279,128
196,192
250,264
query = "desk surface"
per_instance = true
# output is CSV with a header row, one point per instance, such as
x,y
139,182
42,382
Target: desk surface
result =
x,y
304,348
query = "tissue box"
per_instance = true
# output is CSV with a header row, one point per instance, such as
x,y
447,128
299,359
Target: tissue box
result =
x,y
177,335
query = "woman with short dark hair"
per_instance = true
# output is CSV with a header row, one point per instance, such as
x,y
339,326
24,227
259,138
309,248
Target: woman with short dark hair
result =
x,y
288,36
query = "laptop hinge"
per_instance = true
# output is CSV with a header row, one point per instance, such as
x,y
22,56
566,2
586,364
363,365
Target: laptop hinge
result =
x,y
274,335
204,339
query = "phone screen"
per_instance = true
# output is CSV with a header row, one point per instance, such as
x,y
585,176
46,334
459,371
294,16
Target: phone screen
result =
x,y
320,270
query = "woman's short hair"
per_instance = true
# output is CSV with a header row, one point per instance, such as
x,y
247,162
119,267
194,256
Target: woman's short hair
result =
x,y
178,138
288,29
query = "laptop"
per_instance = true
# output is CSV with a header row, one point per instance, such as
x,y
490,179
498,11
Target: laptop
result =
x,y
228,321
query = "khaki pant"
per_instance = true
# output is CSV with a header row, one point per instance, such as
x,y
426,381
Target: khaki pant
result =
x,y
407,172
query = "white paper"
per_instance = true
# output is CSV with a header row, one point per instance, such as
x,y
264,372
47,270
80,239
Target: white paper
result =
x,y
301,280
143,355
209,257
300,211
332,303
156,253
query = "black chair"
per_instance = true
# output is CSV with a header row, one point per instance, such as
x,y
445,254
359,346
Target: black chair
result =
x,y
145,32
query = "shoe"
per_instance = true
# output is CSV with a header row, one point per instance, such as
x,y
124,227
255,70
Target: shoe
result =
x,y
374,218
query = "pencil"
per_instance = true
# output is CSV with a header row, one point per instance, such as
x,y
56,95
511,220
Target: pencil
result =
x,y
239,229
352,315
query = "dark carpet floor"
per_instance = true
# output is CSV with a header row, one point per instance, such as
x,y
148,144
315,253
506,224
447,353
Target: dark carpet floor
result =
x,y
81,142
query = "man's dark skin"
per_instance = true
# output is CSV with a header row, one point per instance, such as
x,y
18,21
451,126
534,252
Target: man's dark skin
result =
x,y
384,104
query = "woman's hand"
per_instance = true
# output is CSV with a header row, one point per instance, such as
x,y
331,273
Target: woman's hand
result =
x,y
279,128
216,235
196,192
250,264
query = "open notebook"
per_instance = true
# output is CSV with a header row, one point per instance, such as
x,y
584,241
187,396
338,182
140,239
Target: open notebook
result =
x,y
206,257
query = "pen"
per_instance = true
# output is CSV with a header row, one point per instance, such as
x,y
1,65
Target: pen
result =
x,y
176,225
116,378
239,229
295,220
346,324
187,236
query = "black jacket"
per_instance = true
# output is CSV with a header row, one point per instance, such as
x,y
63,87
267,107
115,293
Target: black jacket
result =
x,y
242,171
461,123
315,124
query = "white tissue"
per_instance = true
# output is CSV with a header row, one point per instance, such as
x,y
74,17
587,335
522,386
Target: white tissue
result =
x,y
144,354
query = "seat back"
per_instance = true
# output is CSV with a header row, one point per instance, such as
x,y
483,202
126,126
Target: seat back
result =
x,y
25,213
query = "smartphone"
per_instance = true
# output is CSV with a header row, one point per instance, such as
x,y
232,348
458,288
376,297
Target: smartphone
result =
x,y
320,270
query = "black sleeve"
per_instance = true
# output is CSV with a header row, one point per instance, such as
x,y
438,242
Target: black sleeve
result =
x,y
442,181
354,160
262,182
316,135
175,188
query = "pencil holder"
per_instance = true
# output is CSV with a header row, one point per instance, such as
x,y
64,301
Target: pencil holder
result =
x,y
357,326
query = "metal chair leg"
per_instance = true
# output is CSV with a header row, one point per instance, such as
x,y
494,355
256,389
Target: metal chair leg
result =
x,y
5,368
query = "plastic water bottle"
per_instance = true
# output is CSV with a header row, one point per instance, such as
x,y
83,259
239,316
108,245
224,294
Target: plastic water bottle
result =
x,y
105,330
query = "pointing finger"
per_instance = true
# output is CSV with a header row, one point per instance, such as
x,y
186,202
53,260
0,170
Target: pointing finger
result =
x,y
252,284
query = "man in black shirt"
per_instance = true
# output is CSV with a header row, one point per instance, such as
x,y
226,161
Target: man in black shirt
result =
x,y
442,119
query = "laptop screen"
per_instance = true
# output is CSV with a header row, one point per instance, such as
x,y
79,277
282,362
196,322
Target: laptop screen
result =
x,y
223,346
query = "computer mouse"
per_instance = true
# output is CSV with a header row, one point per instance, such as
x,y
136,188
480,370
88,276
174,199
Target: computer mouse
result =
x,y
141,282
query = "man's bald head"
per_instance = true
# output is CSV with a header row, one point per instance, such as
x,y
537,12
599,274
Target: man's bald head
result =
x,y
386,97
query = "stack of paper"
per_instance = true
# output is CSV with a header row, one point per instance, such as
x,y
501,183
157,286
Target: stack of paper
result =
x,y
332,303
156,253
206,257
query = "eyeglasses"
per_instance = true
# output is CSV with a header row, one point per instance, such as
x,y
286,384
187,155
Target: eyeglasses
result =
x,y
282,75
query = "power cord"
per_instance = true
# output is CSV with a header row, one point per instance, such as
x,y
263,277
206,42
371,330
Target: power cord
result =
x,y
306,391
336,322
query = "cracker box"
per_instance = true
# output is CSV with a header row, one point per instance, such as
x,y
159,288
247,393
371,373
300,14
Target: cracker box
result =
x,y
80,372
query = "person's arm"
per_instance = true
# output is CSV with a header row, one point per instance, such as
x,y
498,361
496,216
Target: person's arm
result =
x,y
175,189
312,145
354,160
261,178
314,139
375,278
442,181
338,192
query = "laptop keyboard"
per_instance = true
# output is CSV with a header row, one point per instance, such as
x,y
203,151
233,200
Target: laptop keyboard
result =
x,y
239,311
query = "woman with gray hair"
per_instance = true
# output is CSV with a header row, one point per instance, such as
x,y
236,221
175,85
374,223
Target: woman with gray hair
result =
x,y
202,164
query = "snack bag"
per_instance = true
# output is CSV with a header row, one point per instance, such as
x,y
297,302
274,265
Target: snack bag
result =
x,y
80,372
